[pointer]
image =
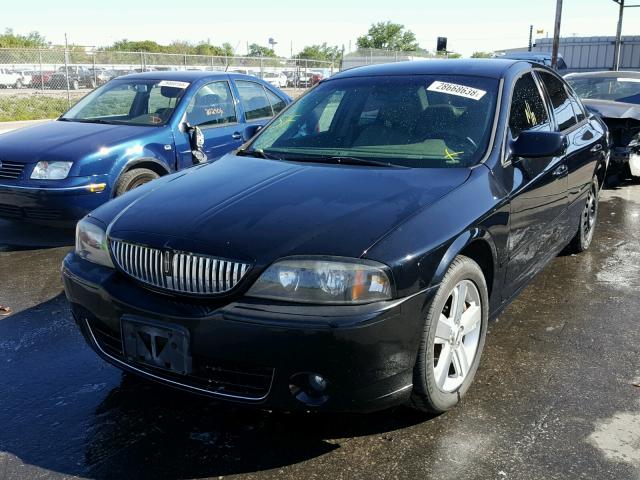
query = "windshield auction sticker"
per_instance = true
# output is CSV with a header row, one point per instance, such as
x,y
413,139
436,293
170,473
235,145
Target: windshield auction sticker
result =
x,y
455,89
173,83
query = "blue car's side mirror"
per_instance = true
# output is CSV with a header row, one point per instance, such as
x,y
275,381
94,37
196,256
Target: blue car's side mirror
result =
x,y
250,131
531,144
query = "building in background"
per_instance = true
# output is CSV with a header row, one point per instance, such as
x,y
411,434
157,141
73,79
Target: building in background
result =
x,y
589,53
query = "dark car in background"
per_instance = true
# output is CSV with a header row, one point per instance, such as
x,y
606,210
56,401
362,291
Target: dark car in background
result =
x,y
543,58
615,96
130,131
350,256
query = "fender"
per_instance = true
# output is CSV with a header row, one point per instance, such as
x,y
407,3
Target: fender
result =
x,y
463,241
161,168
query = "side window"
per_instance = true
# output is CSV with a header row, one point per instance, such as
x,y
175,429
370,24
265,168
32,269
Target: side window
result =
x,y
578,110
212,105
559,100
527,108
276,102
254,100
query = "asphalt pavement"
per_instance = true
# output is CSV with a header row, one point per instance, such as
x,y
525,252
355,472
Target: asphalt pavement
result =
x,y
557,395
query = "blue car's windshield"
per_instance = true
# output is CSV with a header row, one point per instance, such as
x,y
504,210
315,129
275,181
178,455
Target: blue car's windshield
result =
x,y
129,102
615,88
410,121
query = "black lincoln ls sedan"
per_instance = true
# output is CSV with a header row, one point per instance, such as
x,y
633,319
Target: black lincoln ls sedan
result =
x,y
350,255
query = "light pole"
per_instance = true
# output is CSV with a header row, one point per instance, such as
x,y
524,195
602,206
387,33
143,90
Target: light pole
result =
x,y
616,50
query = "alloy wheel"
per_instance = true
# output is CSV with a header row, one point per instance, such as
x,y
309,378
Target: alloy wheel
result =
x,y
457,336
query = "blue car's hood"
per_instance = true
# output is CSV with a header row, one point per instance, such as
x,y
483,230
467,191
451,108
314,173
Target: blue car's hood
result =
x,y
59,140
259,210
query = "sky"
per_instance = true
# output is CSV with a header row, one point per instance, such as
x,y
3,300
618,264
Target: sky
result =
x,y
469,25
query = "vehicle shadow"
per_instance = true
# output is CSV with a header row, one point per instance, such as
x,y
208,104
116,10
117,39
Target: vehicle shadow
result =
x,y
67,411
24,236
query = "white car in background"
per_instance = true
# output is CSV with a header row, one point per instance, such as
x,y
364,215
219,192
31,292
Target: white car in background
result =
x,y
278,80
10,79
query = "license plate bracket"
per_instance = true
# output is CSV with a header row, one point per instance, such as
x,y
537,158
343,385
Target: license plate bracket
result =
x,y
157,344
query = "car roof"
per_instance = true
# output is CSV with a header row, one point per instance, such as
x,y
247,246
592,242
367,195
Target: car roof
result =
x,y
185,76
605,73
485,67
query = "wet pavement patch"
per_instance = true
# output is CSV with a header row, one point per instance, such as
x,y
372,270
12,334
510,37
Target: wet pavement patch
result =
x,y
554,398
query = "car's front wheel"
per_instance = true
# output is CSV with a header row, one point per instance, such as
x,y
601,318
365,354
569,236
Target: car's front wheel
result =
x,y
133,179
453,338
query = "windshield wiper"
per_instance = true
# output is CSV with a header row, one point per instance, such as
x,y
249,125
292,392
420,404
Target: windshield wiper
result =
x,y
349,160
256,153
87,120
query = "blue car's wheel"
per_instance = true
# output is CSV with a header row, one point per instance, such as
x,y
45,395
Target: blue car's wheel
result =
x,y
133,179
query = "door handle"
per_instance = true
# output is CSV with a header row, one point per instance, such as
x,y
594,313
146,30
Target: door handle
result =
x,y
596,148
236,136
560,171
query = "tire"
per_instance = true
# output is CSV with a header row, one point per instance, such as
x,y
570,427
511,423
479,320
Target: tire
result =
x,y
588,218
437,385
75,85
134,179
18,84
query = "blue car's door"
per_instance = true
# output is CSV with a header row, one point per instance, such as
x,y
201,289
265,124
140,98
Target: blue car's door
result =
x,y
213,109
259,103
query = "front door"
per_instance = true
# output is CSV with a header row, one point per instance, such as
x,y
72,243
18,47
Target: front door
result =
x,y
213,110
539,193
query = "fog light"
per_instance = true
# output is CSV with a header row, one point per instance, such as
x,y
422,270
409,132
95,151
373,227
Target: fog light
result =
x,y
309,388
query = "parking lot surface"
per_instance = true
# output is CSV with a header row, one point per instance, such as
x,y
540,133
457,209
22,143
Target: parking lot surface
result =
x,y
557,395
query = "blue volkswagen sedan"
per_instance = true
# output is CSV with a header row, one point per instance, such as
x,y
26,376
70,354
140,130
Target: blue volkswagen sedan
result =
x,y
130,131
350,256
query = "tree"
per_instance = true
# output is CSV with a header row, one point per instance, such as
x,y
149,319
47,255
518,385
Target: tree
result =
x,y
389,36
125,45
481,55
321,52
11,40
256,50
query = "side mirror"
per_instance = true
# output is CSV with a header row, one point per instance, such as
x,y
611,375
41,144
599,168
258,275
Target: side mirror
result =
x,y
539,144
196,139
250,131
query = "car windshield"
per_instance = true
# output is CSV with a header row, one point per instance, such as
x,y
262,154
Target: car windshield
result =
x,y
409,121
129,102
617,89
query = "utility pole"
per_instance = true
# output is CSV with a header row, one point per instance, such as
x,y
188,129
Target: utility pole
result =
x,y
616,49
530,36
556,35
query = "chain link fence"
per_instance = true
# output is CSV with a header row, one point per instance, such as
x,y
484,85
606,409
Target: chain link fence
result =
x,y
372,56
44,83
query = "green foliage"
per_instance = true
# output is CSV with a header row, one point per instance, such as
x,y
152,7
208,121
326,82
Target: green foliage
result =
x,y
321,52
177,46
481,55
12,40
256,50
389,36
32,107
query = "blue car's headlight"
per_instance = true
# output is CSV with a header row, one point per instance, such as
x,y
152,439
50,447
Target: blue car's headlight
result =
x,y
324,281
91,243
51,170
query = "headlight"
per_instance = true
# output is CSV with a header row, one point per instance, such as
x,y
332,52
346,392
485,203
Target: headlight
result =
x,y
51,170
91,243
320,280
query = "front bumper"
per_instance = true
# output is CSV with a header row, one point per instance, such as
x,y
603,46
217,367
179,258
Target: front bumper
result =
x,y
252,351
62,205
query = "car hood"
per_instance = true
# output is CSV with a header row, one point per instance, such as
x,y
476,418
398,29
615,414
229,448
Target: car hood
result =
x,y
259,210
610,109
58,140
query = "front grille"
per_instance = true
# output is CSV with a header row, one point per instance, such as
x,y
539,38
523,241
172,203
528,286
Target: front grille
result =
x,y
34,213
11,170
179,271
226,381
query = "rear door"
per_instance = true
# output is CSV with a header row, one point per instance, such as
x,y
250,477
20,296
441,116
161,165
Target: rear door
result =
x,y
539,193
259,103
584,144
